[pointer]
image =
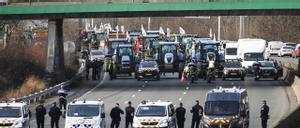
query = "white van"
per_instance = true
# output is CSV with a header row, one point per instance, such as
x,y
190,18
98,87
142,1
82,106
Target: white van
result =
x,y
250,50
85,114
273,48
155,115
14,114
231,50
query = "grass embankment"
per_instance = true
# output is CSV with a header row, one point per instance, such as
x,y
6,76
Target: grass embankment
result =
x,y
20,72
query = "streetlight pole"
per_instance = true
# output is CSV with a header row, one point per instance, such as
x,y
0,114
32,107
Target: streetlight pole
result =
x,y
219,28
242,27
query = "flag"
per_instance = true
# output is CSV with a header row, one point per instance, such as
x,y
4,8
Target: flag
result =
x,y
122,29
161,31
143,30
168,32
181,31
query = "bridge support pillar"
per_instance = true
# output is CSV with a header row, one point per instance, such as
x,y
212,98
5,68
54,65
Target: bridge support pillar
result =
x,y
55,54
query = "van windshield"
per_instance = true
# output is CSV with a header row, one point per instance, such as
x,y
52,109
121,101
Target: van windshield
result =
x,y
221,108
83,110
10,112
253,56
231,51
151,111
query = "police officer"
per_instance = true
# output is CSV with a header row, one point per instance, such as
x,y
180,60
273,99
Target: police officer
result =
x,y
115,115
264,114
129,113
87,68
40,114
111,70
55,114
180,115
197,111
95,69
62,98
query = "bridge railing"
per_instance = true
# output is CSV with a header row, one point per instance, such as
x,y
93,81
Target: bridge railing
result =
x,y
32,98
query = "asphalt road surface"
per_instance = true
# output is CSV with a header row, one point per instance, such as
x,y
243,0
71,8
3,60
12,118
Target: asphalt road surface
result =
x,y
278,95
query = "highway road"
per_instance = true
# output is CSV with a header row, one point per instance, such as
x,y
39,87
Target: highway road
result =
x,y
278,95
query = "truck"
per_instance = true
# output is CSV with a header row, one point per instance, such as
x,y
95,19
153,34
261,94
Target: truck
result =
x,y
273,48
167,56
251,50
210,47
231,50
226,108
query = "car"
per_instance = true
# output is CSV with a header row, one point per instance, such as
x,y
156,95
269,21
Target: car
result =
x,y
226,108
148,69
158,114
285,51
88,114
296,51
97,54
14,114
267,69
233,69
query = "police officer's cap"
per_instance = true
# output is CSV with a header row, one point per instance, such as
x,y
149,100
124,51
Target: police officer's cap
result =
x,y
129,102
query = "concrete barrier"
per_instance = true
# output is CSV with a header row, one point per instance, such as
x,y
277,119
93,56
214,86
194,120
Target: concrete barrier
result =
x,y
292,120
296,88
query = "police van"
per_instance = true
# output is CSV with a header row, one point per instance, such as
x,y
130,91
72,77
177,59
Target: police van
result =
x,y
85,114
226,107
14,114
158,114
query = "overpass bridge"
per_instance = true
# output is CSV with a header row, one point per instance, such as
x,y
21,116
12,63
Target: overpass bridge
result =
x,y
56,13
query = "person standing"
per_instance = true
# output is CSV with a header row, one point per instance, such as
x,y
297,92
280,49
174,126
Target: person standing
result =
x,y
40,114
115,115
55,114
94,69
197,111
180,115
264,114
129,113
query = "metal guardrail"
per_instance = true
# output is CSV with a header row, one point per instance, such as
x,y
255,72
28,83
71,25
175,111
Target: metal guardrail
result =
x,y
31,98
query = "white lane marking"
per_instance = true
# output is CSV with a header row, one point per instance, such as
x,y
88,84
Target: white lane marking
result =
x,y
143,86
133,96
184,93
102,81
139,90
180,99
187,88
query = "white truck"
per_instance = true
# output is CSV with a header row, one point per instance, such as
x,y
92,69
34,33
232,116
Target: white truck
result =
x,y
85,114
158,114
231,50
273,48
14,115
251,50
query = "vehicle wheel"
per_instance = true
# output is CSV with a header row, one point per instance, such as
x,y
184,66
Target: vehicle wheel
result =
x,y
242,78
209,79
130,74
192,80
223,78
275,78
157,77
179,75
138,79
256,78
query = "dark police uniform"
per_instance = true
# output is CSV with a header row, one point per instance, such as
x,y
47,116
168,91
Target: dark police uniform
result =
x,y
115,115
129,111
197,115
264,115
180,115
55,114
40,115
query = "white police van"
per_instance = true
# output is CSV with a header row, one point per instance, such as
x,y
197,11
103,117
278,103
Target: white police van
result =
x,y
85,114
155,114
14,114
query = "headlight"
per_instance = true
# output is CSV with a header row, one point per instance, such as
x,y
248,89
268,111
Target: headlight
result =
x,y
18,124
135,122
140,70
163,123
226,71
